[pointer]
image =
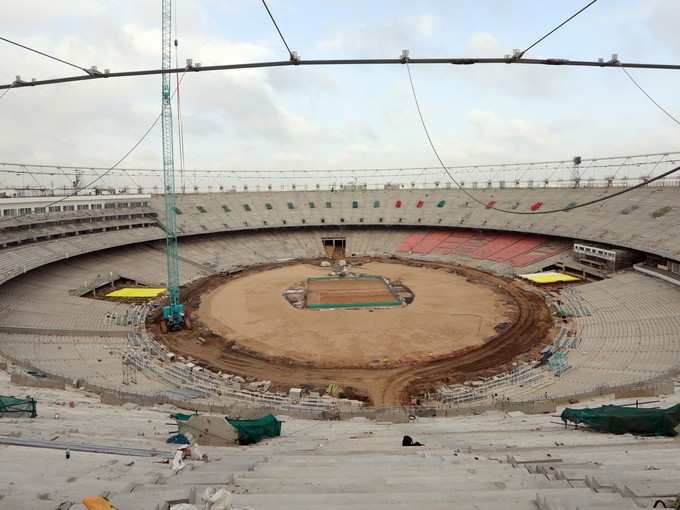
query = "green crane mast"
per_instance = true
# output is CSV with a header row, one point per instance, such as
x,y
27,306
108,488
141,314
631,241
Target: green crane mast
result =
x,y
173,312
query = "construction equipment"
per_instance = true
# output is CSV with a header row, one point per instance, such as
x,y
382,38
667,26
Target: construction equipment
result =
x,y
173,313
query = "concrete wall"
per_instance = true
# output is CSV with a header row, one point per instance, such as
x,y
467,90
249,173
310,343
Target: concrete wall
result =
x,y
22,378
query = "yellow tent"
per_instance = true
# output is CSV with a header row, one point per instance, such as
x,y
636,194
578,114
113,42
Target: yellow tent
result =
x,y
136,292
549,277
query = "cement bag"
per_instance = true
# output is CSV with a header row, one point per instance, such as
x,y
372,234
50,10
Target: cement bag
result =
x,y
184,506
217,499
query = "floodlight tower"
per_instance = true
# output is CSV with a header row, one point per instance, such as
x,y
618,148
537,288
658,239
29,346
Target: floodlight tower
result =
x,y
173,312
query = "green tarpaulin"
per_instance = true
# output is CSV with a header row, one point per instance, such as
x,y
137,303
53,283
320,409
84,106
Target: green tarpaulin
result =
x,y
622,420
14,405
252,431
182,416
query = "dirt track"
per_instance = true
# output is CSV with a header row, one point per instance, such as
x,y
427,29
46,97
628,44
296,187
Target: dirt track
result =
x,y
383,386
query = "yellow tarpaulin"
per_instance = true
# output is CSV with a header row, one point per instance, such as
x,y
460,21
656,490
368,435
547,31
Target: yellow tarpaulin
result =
x,y
549,277
136,292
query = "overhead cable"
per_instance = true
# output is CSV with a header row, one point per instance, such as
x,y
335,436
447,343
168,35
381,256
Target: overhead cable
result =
x,y
364,178
5,92
631,160
344,62
276,25
44,54
489,205
521,54
429,140
666,112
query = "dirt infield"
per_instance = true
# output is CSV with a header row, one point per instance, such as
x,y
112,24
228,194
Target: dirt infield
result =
x,y
348,290
385,354
448,314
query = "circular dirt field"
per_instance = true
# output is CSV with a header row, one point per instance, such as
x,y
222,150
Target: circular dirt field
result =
x,y
463,323
448,314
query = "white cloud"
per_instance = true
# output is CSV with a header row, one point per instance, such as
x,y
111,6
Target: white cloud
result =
x,y
482,44
663,21
520,137
306,117
142,41
35,11
518,80
381,39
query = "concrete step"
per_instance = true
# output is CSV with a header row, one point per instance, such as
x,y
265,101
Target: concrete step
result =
x,y
59,491
385,484
618,480
576,471
651,490
422,476
199,478
217,473
520,499
17,502
499,505
487,470
665,453
536,458
148,498
592,501
397,457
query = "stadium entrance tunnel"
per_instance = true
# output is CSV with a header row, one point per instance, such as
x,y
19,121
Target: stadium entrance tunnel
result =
x,y
334,247
466,323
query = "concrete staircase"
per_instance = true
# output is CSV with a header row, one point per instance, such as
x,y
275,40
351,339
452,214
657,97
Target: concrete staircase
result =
x,y
428,480
363,466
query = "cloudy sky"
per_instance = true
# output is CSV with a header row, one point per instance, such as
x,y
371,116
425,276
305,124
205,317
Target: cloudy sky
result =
x,y
342,117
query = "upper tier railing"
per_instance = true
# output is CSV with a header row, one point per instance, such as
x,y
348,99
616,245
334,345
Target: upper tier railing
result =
x,y
24,179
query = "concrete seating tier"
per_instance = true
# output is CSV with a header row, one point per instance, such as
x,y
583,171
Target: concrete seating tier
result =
x,y
603,223
518,250
626,331
220,212
625,328
81,227
480,462
622,335
21,259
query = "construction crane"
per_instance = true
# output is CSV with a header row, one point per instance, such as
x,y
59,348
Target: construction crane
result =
x,y
174,316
